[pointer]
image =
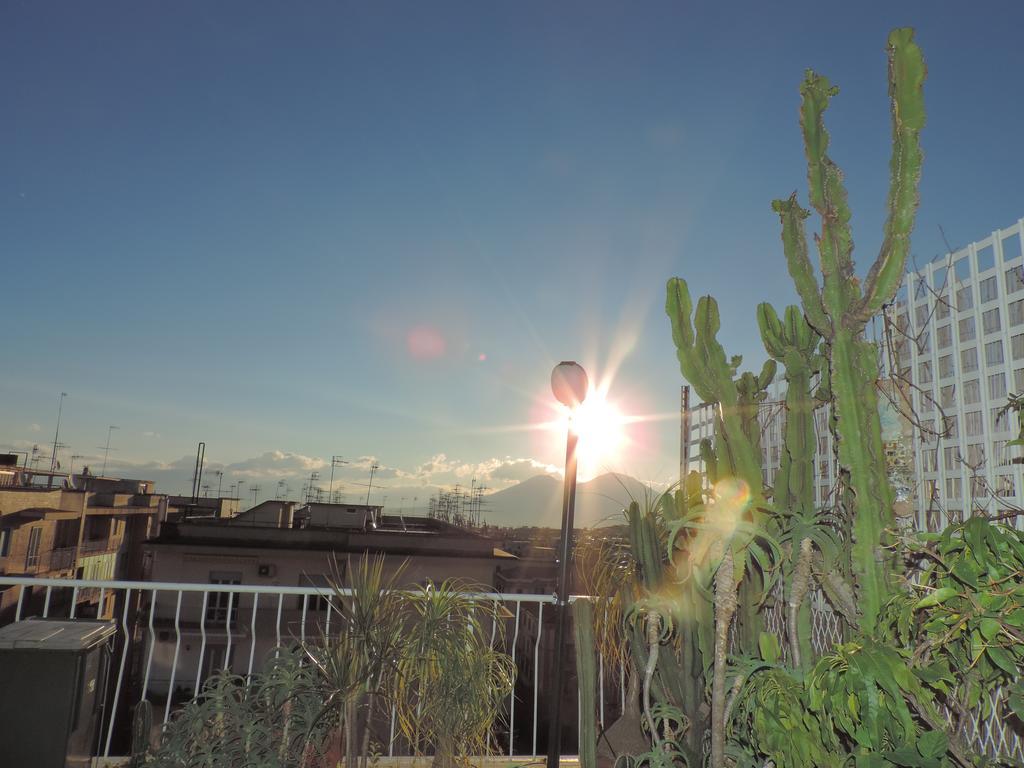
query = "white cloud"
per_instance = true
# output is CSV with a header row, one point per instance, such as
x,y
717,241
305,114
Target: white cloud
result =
x,y
270,467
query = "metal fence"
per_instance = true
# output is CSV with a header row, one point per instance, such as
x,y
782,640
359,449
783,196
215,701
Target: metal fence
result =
x,y
171,636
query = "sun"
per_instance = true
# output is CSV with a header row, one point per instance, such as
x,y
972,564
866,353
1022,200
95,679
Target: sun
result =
x,y
601,428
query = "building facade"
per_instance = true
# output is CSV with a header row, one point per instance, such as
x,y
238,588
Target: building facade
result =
x,y
954,339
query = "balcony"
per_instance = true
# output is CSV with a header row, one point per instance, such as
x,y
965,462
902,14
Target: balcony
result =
x,y
171,636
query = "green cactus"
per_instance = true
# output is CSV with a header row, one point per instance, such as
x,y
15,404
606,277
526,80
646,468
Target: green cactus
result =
x,y
142,726
703,363
751,391
586,674
839,309
794,343
739,592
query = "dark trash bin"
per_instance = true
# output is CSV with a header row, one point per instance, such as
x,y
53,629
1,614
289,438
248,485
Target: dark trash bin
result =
x,y
53,675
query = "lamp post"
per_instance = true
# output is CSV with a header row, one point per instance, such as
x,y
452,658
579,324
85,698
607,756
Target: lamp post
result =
x,y
569,385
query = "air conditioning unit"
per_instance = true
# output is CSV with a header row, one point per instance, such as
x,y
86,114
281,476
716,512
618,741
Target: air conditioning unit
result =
x,y
267,570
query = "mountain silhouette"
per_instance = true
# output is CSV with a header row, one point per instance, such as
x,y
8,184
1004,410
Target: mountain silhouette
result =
x,y
538,501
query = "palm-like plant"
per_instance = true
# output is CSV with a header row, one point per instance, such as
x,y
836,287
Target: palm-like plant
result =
x,y
356,667
450,680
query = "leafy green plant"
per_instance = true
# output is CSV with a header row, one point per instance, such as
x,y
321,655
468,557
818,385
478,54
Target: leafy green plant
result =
x,y
273,720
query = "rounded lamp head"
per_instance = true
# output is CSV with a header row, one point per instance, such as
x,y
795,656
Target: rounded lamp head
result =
x,y
569,383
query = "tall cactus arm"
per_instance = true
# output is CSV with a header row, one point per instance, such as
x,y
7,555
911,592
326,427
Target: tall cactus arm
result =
x,y
828,198
794,245
906,88
701,358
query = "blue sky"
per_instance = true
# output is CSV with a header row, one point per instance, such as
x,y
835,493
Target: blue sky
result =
x,y
294,230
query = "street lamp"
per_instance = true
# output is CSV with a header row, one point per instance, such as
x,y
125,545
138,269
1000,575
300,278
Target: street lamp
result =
x,y
569,385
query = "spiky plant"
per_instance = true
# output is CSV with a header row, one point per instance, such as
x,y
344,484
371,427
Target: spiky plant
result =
x,y
839,307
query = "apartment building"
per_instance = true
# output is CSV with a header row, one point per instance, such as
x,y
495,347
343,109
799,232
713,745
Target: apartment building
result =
x,y
88,527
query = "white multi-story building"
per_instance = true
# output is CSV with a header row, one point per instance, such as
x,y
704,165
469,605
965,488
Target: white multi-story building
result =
x,y
955,339
952,349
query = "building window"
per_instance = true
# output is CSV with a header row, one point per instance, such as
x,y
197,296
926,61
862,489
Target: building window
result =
x,y
924,342
994,353
941,309
1016,312
999,452
967,330
930,460
944,336
945,366
972,392
997,385
986,258
999,421
969,359
5,541
1011,248
990,320
1017,346
32,552
978,487
989,289
1018,380
973,424
927,403
927,429
947,396
924,372
1005,485
1014,278
922,288
954,488
951,428
964,298
950,457
975,455
217,602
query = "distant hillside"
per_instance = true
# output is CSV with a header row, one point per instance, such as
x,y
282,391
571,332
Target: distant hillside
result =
x,y
538,501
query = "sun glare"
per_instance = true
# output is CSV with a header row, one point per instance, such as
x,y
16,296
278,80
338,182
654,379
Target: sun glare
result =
x,y
601,428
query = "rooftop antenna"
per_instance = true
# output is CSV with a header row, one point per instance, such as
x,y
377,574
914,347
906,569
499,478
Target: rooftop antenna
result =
x,y
313,477
336,461
401,509
282,489
255,494
197,476
219,474
373,468
106,450
56,434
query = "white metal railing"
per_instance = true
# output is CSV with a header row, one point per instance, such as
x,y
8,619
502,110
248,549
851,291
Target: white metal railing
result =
x,y
178,633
